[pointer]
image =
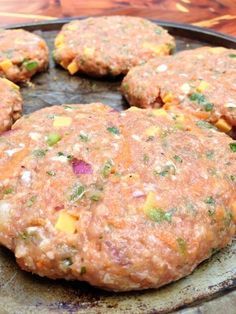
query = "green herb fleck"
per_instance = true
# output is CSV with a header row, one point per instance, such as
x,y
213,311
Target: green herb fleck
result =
x,y
107,168
233,147
51,173
204,125
232,55
233,178
145,159
31,201
53,138
182,245
228,218
39,153
84,138
113,130
30,65
95,197
167,170
8,191
125,86
210,154
201,100
210,200
159,215
24,235
178,158
77,193
83,270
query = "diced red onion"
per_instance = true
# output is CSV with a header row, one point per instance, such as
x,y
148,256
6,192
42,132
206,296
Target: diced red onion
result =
x,y
81,167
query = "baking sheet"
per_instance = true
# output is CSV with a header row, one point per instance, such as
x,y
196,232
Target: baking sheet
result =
x,y
21,292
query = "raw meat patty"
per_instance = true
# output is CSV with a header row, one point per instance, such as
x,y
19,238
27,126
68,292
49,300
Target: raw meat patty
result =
x,y
202,81
22,54
91,194
110,45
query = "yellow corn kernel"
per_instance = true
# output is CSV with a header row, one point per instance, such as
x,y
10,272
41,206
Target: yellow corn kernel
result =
x,y
158,49
222,125
11,84
150,202
159,112
202,86
168,97
59,41
66,223
61,121
152,131
6,64
89,52
64,64
73,67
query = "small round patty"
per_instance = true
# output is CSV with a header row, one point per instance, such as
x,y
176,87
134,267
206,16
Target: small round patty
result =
x,y
22,54
91,194
110,45
202,81
11,104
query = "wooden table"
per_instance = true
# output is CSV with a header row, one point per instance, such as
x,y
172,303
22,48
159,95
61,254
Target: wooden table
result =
x,y
219,15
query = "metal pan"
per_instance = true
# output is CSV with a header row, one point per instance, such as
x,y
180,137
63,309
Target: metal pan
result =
x,y
213,280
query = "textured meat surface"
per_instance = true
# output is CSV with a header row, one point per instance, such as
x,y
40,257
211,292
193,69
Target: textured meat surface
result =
x,y
22,54
124,201
110,45
202,81
11,104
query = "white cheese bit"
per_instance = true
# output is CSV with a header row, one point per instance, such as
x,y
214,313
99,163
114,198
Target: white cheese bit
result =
x,y
230,105
136,138
26,177
185,88
34,136
60,159
115,146
21,251
77,147
11,152
161,68
138,193
4,212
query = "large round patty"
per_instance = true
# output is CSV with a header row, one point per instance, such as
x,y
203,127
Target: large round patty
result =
x,y
110,45
202,81
10,104
22,54
92,194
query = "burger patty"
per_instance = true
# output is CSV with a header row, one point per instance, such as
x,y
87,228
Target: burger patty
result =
x,y
202,81
22,54
91,194
11,104
110,45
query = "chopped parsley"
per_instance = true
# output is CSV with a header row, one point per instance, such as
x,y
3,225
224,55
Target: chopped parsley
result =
x,y
232,55
159,215
53,138
107,168
51,173
8,191
167,170
204,125
233,147
30,65
233,178
201,100
84,138
178,158
113,130
77,193
39,153
210,154
145,159
210,200
31,201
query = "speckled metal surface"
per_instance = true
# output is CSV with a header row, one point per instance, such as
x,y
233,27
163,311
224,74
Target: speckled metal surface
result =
x,y
210,289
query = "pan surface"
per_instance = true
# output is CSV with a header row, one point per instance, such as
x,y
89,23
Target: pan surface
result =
x,y
210,288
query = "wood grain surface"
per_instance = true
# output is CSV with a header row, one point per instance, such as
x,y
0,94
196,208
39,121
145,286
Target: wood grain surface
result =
x,y
219,15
